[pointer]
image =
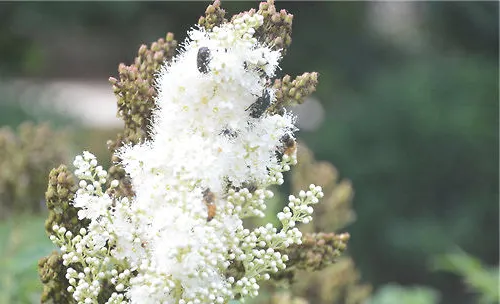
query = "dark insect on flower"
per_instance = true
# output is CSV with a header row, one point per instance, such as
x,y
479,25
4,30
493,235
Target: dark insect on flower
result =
x,y
208,199
260,106
229,133
251,186
259,70
203,59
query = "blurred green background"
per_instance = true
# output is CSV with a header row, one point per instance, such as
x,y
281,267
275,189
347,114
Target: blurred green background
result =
x,y
408,97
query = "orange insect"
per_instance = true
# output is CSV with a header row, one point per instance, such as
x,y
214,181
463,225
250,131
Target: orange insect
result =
x,y
289,144
208,199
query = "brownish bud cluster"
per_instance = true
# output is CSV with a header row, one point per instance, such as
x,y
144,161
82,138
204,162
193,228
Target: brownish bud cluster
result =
x,y
290,92
214,16
277,28
59,194
52,274
317,251
335,210
135,93
135,89
338,283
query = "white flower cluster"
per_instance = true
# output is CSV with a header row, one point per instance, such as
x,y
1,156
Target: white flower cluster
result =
x,y
214,152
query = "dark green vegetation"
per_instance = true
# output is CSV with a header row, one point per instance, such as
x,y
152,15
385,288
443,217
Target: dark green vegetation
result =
x,y
413,122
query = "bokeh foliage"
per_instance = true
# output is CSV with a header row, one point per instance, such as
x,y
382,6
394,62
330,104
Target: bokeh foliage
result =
x,y
26,157
483,281
22,243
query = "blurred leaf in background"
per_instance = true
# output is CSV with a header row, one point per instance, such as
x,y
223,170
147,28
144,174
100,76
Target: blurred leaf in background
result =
x,y
419,145
419,140
481,280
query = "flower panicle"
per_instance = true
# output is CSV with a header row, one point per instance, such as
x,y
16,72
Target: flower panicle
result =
x,y
198,156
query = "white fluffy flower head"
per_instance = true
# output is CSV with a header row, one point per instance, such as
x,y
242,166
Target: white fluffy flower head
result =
x,y
214,151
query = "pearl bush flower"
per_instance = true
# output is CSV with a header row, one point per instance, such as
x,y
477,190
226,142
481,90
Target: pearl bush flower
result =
x,y
214,152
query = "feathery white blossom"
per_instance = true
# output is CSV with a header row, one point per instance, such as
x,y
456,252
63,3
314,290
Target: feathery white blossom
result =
x,y
211,156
